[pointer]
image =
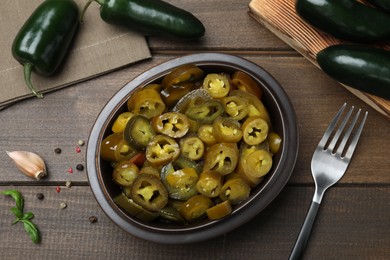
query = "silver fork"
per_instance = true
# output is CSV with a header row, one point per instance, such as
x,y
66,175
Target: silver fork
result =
x,y
329,163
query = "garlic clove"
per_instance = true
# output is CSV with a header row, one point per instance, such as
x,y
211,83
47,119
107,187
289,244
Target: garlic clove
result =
x,y
29,163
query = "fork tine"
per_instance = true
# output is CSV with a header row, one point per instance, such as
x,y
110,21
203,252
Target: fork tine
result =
x,y
352,146
335,138
331,127
343,142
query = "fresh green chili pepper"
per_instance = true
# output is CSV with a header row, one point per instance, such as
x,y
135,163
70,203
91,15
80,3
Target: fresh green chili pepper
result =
x,y
44,39
346,19
151,17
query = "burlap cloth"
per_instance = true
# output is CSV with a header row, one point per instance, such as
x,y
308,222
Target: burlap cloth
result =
x,y
98,48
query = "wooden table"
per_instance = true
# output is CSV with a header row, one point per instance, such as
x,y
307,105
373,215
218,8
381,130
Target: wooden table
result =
x,y
353,222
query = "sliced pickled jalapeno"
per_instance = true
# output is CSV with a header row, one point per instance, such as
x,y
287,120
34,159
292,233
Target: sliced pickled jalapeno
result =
x,y
210,183
244,82
183,73
205,133
146,102
235,107
138,132
115,149
174,152
220,210
195,207
274,141
235,190
149,192
221,157
162,150
255,130
192,147
254,105
218,85
125,173
205,112
180,183
258,163
133,209
226,129
172,124
171,94
121,121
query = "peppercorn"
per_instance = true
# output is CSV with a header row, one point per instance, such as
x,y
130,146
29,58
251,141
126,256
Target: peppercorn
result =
x,y
80,167
40,196
80,142
63,205
92,219
57,150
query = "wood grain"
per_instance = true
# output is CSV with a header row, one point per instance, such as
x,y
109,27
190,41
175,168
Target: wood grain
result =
x,y
68,234
281,18
352,224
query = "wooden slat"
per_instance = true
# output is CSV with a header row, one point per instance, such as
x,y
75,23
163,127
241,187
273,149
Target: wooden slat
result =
x,y
66,116
67,233
281,18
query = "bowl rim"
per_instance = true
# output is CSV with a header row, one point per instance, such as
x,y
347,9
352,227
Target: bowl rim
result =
x,y
283,169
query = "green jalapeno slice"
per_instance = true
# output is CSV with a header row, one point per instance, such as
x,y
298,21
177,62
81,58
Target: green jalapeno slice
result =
x,y
172,124
195,207
183,73
192,147
121,121
235,190
220,210
235,107
205,112
244,82
146,102
162,150
258,163
138,132
149,192
115,149
274,141
254,105
205,133
210,183
125,173
255,130
171,94
181,182
226,129
218,85
221,157
133,209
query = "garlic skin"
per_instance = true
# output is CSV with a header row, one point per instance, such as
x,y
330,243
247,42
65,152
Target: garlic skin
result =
x,y
31,164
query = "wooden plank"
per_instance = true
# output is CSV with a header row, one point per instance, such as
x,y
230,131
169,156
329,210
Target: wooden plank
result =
x,y
228,27
67,233
65,116
281,18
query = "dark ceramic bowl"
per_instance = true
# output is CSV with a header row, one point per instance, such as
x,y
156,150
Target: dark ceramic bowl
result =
x,y
284,122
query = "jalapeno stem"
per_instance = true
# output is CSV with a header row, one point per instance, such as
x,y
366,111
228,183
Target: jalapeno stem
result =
x,y
27,69
101,2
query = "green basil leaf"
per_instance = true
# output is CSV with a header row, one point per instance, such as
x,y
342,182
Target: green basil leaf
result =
x,y
17,197
31,230
28,216
17,212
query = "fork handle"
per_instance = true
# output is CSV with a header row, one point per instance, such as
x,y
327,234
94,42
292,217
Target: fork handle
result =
x,y
303,236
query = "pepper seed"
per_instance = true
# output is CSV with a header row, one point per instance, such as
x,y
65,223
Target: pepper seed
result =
x,y
63,205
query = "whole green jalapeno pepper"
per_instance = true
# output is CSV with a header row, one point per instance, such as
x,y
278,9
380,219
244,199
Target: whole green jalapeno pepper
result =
x,y
150,17
346,19
44,39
